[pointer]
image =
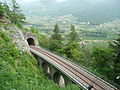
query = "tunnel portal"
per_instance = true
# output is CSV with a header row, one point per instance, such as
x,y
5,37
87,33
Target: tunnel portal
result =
x,y
30,41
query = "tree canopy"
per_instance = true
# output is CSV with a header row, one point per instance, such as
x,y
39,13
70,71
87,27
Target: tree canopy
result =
x,y
73,34
56,39
13,14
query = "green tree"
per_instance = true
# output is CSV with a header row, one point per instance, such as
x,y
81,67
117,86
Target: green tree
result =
x,y
56,35
73,51
103,61
4,9
43,40
17,17
14,15
116,46
73,34
56,39
5,12
54,45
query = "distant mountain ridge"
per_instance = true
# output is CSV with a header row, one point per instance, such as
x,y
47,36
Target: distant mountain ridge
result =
x,y
95,11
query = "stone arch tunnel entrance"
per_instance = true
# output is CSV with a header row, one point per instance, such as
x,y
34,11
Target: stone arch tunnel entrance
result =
x,y
30,41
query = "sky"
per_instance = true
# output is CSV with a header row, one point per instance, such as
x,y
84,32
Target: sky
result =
x,y
58,1
29,0
26,1
61,0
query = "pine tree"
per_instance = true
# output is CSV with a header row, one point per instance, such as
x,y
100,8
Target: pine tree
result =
x,y
73,34
55,40
56,30
56,35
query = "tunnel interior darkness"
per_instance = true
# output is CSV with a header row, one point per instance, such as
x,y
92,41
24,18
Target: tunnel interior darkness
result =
x,y
30,41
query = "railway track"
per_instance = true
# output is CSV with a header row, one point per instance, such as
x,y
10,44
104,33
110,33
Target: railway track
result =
x,y
84,77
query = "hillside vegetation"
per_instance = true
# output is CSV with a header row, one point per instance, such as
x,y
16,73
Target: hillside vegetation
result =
x,y
101,59
19,70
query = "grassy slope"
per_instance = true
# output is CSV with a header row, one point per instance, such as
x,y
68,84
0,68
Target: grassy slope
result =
x,y
19,71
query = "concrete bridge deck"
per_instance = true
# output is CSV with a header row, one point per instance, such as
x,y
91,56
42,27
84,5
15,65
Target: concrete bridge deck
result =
x,y
80,76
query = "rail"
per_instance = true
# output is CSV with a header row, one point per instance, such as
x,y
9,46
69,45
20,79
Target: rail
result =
x,y
81,74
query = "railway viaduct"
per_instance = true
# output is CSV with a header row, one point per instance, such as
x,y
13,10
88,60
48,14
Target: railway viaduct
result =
x,y
49,70
62,71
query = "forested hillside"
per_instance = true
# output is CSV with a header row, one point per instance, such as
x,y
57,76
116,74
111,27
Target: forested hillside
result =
x,y
102,59
19,70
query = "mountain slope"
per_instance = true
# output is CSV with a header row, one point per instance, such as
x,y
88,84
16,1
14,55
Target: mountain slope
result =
x,y
19,71
99,11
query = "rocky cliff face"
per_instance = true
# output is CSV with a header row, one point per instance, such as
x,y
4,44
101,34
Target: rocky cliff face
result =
x,y
15,33
18,37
